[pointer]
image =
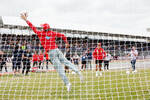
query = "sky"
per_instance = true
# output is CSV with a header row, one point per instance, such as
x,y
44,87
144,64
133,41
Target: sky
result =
x,y
124,16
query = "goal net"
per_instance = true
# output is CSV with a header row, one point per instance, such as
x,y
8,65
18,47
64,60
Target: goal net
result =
x,y
116,77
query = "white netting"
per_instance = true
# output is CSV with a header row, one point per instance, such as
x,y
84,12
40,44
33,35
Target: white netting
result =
x,y
119,82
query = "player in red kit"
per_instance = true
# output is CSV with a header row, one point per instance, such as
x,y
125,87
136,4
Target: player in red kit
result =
x,y
47,39
47,60
35,59
99,54
41,59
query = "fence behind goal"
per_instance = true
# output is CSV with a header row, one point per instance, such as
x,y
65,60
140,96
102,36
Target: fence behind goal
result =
x,y
118,82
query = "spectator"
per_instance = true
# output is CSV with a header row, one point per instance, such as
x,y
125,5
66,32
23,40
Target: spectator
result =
x,y
29,46
107,60
27,57
41,59
83,59
133,53
17,59
35,59
89,59
68,56
76,59
23,47
47,60
3,59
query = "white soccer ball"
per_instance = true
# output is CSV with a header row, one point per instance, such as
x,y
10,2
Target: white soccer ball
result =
x,y
127,72
73,73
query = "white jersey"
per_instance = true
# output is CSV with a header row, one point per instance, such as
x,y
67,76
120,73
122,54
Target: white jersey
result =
x,y
133,54
108,57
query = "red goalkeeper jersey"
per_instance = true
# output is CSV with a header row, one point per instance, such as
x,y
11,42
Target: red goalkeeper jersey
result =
x,y
99,54
47,39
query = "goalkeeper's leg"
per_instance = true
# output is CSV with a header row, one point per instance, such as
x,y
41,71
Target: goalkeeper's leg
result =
x,y
69,64
59,68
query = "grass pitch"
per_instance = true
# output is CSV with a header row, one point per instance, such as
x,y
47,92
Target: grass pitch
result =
x,y
113,85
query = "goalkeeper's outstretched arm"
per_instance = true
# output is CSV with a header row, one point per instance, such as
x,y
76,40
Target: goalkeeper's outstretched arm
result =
x,y
24,16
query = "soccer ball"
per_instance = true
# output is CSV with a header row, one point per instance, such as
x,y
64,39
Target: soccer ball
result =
x,y
73,73
127,72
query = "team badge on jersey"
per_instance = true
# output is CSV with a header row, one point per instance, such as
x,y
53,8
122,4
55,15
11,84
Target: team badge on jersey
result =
x,y
47,37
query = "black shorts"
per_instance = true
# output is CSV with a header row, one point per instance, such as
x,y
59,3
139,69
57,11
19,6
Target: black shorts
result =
x,y
83,62
35,63
106,62
69,59
48,60
76,62
26,63
99,62
16,65
66,67
2,63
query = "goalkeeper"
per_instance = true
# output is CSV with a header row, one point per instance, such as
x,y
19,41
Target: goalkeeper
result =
x,y
47,39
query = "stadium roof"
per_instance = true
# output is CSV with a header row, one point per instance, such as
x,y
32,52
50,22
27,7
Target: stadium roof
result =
x,y
17,21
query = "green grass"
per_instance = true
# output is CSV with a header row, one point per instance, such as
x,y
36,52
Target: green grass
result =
x,y
113,85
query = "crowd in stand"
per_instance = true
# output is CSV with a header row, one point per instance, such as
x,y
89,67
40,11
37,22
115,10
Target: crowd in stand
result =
x,y
22,50
21,57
